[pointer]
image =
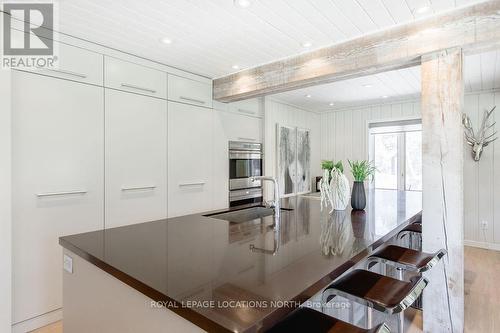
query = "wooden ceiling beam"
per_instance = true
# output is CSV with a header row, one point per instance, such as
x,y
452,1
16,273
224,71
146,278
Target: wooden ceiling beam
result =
x,y
470,28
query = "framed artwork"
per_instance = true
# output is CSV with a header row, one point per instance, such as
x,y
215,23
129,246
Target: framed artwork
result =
x,y
293,148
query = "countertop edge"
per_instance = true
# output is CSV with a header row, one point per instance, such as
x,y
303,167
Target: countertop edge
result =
x,y
186,313
211,326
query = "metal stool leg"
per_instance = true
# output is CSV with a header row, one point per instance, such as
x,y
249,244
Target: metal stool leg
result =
x,y
369,317
351,312
401,322
400,273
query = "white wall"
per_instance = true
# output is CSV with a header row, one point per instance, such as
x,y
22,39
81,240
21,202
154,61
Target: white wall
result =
x,y
482,180
279,113
344,135
5,201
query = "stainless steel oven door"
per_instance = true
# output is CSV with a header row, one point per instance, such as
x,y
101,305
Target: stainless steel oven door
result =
x,y
242,167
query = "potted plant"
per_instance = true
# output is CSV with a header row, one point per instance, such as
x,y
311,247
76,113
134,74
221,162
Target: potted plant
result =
x,y
334,186
361,170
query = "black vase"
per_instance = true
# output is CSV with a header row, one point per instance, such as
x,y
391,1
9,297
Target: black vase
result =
x,y
358,197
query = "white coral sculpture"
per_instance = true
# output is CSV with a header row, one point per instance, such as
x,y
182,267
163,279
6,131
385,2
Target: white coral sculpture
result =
x,y
335,190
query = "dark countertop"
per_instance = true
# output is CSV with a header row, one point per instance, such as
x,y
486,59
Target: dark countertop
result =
x,y
195,258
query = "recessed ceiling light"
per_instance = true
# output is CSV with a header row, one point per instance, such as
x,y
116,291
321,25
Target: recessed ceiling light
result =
x,y
242,3
166,40
367,85
331,104
384,96
306,44
235,67
422,10
308,96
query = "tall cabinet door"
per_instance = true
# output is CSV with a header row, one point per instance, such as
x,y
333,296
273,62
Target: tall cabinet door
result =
x,y
136,158
189,159
58,133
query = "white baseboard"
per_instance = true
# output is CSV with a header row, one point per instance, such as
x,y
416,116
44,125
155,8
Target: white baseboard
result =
x,y
483,245
37,322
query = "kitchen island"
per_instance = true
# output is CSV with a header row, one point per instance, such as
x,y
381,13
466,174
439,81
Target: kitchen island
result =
x,y
199,273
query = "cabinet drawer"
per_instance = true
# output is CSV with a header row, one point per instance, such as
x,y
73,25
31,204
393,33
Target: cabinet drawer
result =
x,y
134,78
241,128
249,107
76,64
189,91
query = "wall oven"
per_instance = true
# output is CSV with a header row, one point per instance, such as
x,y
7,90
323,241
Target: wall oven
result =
x,y
245,162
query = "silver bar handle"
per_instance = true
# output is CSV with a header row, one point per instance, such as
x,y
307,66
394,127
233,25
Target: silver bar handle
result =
x,y
54,194
246,139
189,99
137,188
62,71
192,184
126,85
246,111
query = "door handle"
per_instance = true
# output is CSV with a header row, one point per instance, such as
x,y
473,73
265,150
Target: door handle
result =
x,y
131,86
62,71
246,139
54,194
192,184
136,188
189,99
246,111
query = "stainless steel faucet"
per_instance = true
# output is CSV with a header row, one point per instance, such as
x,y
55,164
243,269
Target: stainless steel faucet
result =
x,y
276,203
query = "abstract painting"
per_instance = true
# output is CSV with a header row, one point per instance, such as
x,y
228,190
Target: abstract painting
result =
x,y
293,160
287,159
303,181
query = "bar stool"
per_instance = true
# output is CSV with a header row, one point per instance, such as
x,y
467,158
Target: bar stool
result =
x,y
376,291
413,232
308,320
405,259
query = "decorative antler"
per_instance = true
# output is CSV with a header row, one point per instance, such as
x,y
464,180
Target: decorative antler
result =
x,y
478,142
469,131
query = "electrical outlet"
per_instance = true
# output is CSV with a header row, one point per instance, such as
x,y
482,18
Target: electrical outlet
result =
x,y
484,225
68,264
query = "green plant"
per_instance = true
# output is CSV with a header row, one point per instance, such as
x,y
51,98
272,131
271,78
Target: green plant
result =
x,y
329,165
339,166
326,165
362,170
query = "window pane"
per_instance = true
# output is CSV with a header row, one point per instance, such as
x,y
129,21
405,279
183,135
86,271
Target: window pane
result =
x,y
414,161
386,160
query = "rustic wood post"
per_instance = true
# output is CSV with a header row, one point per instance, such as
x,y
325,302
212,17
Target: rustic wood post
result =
x,y
443,218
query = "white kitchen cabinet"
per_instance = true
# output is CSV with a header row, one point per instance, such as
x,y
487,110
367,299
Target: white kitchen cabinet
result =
x,y
241,128
76,64
189,91
58,134
127,76
249,107
190,154
136,158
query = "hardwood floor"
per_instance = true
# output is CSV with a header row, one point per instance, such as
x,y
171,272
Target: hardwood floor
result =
x,y
482,295
482,291
56,327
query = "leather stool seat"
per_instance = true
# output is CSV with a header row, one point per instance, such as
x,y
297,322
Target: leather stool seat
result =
x,y
407,259
305,320
414,227
377,291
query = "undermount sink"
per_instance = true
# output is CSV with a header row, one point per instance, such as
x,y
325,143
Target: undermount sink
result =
x,y
245,215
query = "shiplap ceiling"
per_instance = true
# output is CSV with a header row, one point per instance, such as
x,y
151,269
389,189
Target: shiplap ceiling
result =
x,y
481,72
210,36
